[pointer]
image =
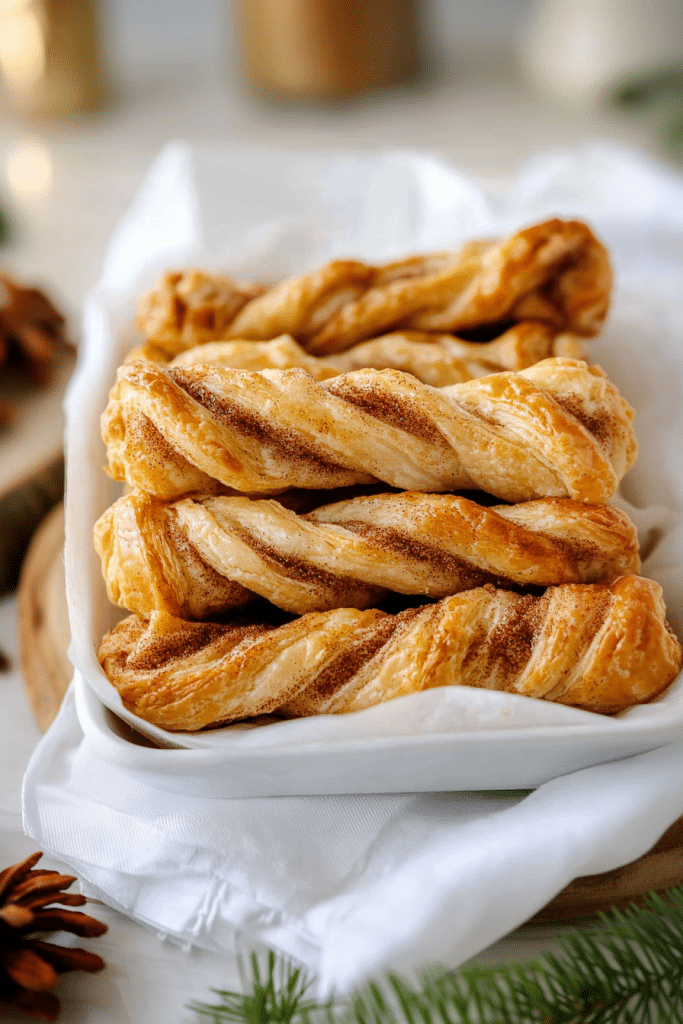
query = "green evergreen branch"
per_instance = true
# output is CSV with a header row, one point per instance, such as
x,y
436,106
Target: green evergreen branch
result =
x,y
278,997
4,227
659,93
628,972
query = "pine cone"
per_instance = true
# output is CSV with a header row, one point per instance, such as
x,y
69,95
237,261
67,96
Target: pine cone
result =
x,y
29,967
30,328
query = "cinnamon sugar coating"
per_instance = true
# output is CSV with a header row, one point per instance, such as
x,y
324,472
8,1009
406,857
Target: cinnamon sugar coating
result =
x,y
556,429
597,647
198,557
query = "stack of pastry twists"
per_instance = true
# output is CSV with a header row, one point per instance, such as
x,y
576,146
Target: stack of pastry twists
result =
x,y
297,387
556,273
585,642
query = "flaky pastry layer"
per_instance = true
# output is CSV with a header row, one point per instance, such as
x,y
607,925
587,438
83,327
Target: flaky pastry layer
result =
x,y
556,429
199,557
602,648
192,307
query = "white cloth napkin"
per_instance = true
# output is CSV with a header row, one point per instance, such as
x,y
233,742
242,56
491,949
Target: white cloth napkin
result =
x,y
348,885
354,884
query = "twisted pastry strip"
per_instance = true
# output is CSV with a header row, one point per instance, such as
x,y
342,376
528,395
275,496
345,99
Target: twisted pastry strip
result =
x,y
190,308
282,353
196,558
556,272
443,359
436,359
603,648
556,429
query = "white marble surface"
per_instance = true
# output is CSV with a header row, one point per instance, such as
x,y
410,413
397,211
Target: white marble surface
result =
x,y
67,187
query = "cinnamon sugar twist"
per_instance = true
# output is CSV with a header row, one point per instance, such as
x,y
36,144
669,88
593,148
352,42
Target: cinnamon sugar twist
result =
x,y
192,307
556,429
603,648
196,558
556,272
436,359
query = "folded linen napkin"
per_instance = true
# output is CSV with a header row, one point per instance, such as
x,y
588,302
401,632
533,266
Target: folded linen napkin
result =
x,y
348,885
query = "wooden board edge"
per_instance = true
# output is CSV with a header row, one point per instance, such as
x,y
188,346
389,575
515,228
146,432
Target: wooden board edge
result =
x,y
45,669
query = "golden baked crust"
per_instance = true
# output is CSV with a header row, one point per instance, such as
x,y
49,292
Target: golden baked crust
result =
x,y
199,557
556,272
602,648
556,429
443,359
191,307
283,353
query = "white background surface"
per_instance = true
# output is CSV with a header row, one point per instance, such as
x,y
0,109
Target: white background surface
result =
x,y
477,116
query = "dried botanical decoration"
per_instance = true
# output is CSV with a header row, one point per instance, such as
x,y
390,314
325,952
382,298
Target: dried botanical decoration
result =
x,y
29,966
31,329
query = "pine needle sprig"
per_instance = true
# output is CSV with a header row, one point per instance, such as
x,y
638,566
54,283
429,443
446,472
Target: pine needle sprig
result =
x,y
658,93
275,994
628,971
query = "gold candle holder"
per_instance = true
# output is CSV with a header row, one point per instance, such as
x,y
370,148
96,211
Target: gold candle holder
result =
x,y
50,56
307,49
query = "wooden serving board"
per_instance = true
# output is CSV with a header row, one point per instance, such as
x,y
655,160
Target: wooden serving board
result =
x,y
43,641
31,463
44,634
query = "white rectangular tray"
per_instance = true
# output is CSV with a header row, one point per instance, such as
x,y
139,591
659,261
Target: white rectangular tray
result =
x,y
264,218
441,762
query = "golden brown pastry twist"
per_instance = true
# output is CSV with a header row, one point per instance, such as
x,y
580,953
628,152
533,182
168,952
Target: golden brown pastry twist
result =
x,y
443,359
436,359
556,429
190,308
556,272
197,558
603,648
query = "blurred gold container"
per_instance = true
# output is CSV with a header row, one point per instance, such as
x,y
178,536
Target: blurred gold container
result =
x,y
50,56
317,49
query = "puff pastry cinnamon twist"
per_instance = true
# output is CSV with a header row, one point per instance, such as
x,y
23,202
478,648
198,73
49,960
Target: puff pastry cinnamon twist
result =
x,y
603,648
556,429
557,272
436,359
196,558
192,307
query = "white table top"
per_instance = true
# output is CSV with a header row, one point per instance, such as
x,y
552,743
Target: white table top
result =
x,y
83,179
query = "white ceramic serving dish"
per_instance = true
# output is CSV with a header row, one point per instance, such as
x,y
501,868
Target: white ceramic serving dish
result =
x,y
265,218
521,758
